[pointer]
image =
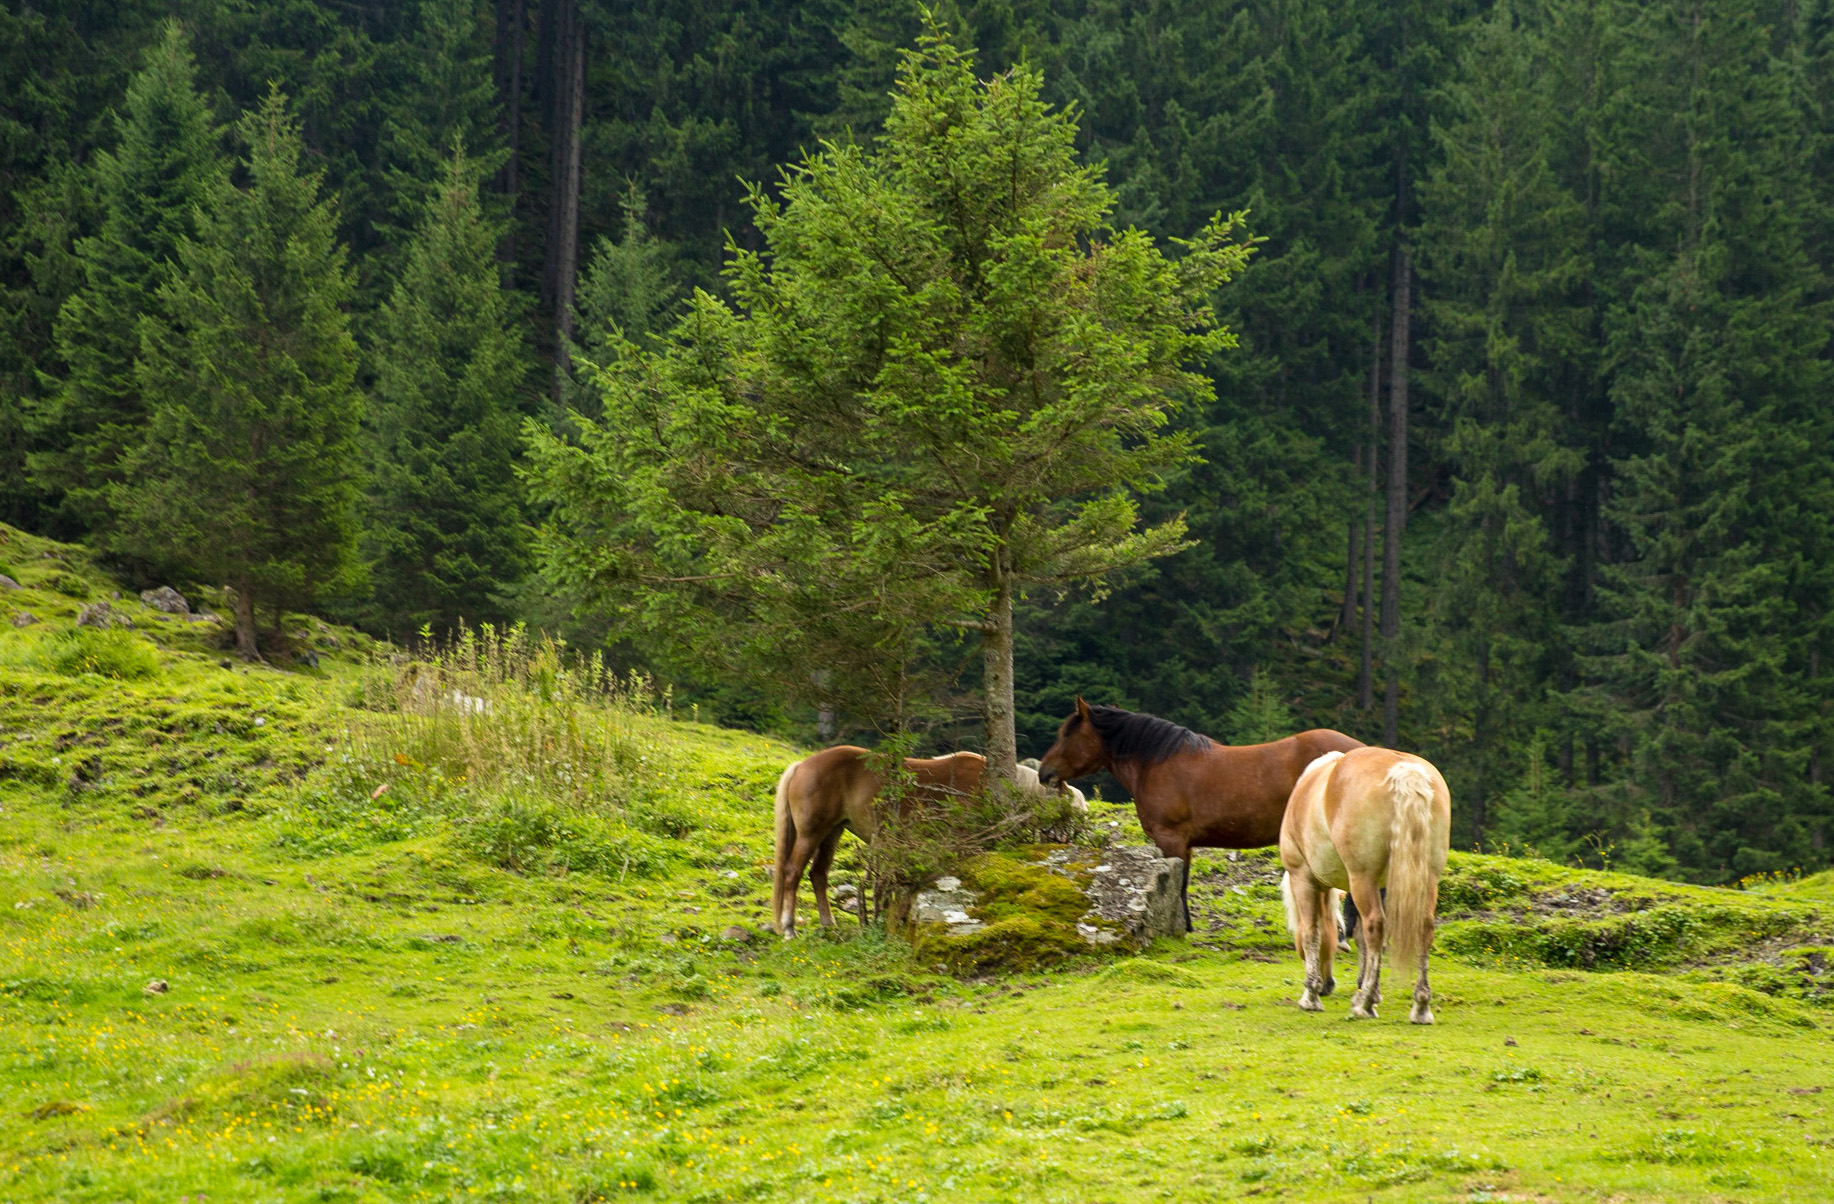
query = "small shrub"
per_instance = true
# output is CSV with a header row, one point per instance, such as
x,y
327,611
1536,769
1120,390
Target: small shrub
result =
x,y
107,652
533,836
68,584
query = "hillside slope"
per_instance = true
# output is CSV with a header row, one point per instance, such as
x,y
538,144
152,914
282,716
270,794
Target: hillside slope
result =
x,y
487,929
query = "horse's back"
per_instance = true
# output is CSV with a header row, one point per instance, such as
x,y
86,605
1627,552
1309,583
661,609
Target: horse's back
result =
x,y
829,786
954,774
1358,802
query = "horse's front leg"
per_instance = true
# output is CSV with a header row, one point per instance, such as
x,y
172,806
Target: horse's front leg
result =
x,y
1173,844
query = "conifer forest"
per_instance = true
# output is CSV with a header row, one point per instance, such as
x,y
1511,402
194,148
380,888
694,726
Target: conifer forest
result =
x,y
1458,375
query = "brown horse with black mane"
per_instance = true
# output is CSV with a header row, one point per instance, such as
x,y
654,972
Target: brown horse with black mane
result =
x,y
1189,791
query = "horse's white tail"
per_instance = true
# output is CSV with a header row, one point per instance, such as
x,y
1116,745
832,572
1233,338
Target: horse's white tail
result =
x,y
1413,878
785,825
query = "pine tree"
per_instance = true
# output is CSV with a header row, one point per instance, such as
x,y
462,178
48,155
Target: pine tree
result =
x,y
1720,375
445,518
248,473
149,188
446,95
629,291
1504,257
945,384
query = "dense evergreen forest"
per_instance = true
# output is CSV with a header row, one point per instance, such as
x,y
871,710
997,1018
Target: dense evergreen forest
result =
x,y
1522,459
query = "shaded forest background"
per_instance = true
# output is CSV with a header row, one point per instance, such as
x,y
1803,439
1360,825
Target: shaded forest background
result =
x,y
1523,463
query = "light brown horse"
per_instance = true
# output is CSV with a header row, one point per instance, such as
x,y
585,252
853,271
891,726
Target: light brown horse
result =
x,y
1189,791
1358,821
835,791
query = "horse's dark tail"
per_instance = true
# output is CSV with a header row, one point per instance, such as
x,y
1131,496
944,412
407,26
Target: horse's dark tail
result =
x,y
1353,919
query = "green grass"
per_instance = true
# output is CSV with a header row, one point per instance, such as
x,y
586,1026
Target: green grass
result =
x,y
505,977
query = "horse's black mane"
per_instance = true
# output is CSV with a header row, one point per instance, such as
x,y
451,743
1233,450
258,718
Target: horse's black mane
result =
x,y
1145,739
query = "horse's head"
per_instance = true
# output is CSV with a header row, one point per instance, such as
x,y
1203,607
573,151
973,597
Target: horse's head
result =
x,y
1079,749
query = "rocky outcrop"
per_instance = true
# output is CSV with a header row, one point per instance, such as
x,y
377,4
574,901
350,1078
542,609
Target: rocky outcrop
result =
x,y
8,583
166,599
1132,891
1020,911
101,615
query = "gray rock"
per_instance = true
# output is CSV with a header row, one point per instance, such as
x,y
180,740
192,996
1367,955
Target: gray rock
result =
x,y
1132,893
1132,888
947,902
8,583
24,618
101,614
167,599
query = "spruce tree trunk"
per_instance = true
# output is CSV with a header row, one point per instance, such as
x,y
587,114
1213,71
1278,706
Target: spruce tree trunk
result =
x,y
997,661
1365,678
246,645
512,22
567,76
1397,496
1347,616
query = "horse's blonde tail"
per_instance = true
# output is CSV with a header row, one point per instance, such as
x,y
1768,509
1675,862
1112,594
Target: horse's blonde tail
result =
x,y
1292,911
1413,872
785,824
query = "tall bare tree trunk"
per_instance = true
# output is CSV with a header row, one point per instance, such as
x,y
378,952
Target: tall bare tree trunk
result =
x,y
1365,678
997,674
1397,495
512,24
1347,616
566,68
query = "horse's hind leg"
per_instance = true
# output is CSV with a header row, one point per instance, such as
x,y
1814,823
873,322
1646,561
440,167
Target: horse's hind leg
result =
x,y
1369,949
1422,1012
800,853
1309,919
818,876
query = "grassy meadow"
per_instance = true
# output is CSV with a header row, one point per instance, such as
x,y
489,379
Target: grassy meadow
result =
x,y
489,927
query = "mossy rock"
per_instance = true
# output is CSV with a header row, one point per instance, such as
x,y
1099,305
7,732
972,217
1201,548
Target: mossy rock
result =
x,y
1031,917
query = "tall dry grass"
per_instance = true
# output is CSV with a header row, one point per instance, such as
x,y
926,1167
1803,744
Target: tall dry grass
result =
x,y
539,760
508,711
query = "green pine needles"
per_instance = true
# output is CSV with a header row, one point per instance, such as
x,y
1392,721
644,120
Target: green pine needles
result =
x,y
150,188
445,530
248,472
945,381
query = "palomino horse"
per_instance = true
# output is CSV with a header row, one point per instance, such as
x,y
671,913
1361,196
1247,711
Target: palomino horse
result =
x,y
1189,791
1358,821
833,791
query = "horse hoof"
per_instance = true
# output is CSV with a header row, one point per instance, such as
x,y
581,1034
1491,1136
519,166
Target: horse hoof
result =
x,y
1309,1003
1420,1016
1359,1012
1330,985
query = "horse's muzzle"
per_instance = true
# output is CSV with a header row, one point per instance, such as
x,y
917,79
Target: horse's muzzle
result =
x,y
1047,778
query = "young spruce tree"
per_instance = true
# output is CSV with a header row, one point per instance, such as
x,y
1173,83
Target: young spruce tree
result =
x,y
166,163
445,524
945,382
248,473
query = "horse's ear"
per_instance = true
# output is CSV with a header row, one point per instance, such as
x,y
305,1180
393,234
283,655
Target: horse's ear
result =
x,y
1082,708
